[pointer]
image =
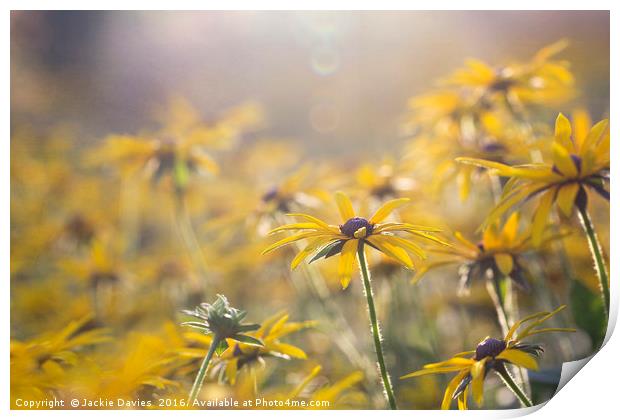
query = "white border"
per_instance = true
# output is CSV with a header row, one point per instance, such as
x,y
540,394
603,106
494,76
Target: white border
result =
x,y
593,394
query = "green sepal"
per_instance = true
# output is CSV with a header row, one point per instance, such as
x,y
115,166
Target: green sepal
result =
x,y
221,347
246,339
324,251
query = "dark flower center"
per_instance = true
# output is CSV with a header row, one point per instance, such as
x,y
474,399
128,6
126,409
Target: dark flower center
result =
x,y
490,347
270,194
353,225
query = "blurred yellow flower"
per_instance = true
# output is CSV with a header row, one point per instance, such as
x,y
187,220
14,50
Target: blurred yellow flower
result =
x,y
238,355
579,164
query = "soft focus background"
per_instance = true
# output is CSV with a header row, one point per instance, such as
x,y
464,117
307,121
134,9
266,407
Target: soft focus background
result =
x,y
105,251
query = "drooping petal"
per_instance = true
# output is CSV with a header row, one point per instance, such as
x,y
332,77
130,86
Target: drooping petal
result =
x,y
566,198
541,217
478,371
504,262
462,401
431,371
409,245
294,226
288,350
344,206
346,263
386,209
297,237
519,358
499,168
452,385
231,371
312,246
382,242
455,361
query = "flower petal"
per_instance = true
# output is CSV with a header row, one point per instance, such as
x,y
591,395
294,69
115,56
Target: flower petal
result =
x,y
382,242
511,227
563,161
452,385
504,262
344,206
288,350
519,358
566,198
455,361
386,209
347,260
409,245
541,217
297,237
478,371
295,226
563,131
313,245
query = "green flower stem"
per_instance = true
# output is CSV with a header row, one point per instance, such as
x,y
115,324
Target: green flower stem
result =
x,y
505,315
597,254
389,392
510,383
188,236
200,377
495,292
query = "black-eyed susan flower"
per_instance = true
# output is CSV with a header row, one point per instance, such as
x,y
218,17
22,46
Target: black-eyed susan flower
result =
x,y
224,323
543,80
580,165
492,354
348,238
499,254
179,148
39,365
240,354
385,180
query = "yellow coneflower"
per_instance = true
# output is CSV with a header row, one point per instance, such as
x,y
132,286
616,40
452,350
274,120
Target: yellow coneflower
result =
x,y
351,237
492,354
580,164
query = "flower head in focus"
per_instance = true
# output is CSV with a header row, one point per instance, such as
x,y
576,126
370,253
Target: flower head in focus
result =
x,y
328,240
223,321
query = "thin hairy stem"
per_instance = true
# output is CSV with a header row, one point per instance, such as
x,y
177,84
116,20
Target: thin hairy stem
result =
x,y
387,385
597,255
200,377
512,385
188,236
